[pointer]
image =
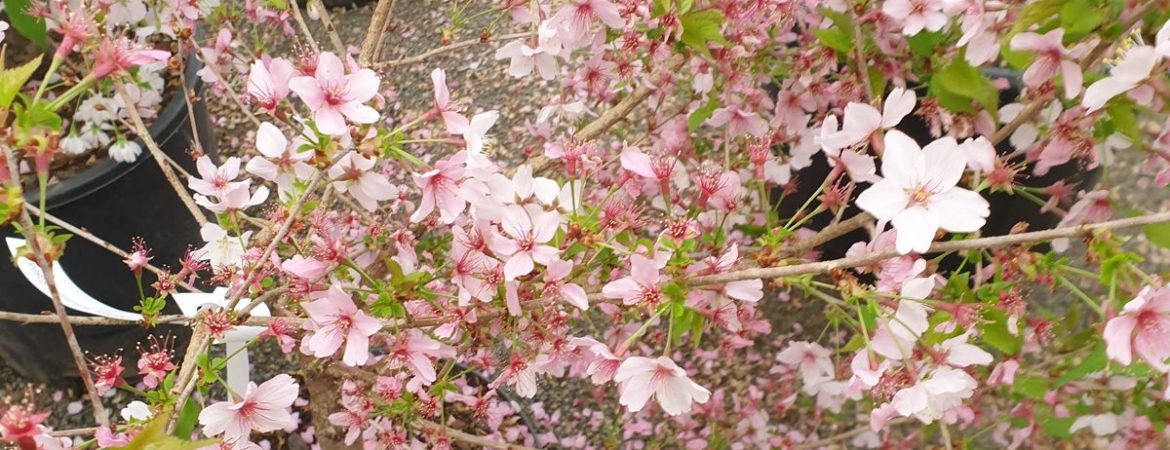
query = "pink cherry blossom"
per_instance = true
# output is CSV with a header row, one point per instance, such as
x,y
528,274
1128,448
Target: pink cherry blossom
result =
x,y
475,136
353,174
115,56
603,364
813,360
416,351
523,59
577,17
919,192
861,120
305,268
334,96
1142,327
262,408
642,286
642,377
916,15
739,122
742,290
268,82
555,287
528,232
1134,68
336,321
443,106
282,163
1051,56
216,181
440,187
940,391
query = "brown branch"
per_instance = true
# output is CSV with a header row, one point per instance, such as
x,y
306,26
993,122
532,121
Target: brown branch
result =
x,y
280,234
374,32
39,255
821,443
742,274
102,243
330,30
829,233
157,153
300,19
470,438
938,247
227,87
447,48
89,431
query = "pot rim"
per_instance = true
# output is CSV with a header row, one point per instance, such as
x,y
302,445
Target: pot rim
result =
x,y
108,170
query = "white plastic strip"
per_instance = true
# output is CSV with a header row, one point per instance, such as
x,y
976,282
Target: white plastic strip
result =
x,y
73,297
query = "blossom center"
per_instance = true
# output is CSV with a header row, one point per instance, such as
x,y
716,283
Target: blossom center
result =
x,y
919,195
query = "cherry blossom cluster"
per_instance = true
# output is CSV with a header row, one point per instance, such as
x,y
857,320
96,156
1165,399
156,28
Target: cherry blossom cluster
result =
x,y
736,224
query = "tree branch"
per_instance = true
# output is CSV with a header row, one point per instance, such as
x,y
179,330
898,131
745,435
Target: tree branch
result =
x,y
32,240
159,156
470,438
447,48
374,32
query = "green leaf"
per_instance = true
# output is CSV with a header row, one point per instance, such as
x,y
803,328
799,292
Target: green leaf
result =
x,y
154,437
924,43
1121,114
1078,18
1158,234
996,334
280,5
1093,363
185,424
675,293
1058,427
835,38
37,116
701,114
12,80
28,26
1030,387
659,8
1035,13
958,84
702,27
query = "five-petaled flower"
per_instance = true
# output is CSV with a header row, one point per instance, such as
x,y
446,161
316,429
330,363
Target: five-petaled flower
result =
x,y
336,320
919,192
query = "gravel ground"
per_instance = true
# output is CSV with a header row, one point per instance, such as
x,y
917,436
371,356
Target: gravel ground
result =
x,y
473,73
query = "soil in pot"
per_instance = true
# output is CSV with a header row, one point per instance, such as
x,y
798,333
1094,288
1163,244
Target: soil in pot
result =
x,y
116,202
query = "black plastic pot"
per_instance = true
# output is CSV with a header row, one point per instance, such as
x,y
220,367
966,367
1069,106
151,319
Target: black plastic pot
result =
x,y
1006,210
116,202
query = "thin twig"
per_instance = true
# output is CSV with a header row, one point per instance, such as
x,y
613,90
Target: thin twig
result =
x,y
231,92
844,435
102,243
280,234
829,233
447,48
88,431
157,153
938,247
34,246
742,274
300,19
470,438
330,30
374,32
